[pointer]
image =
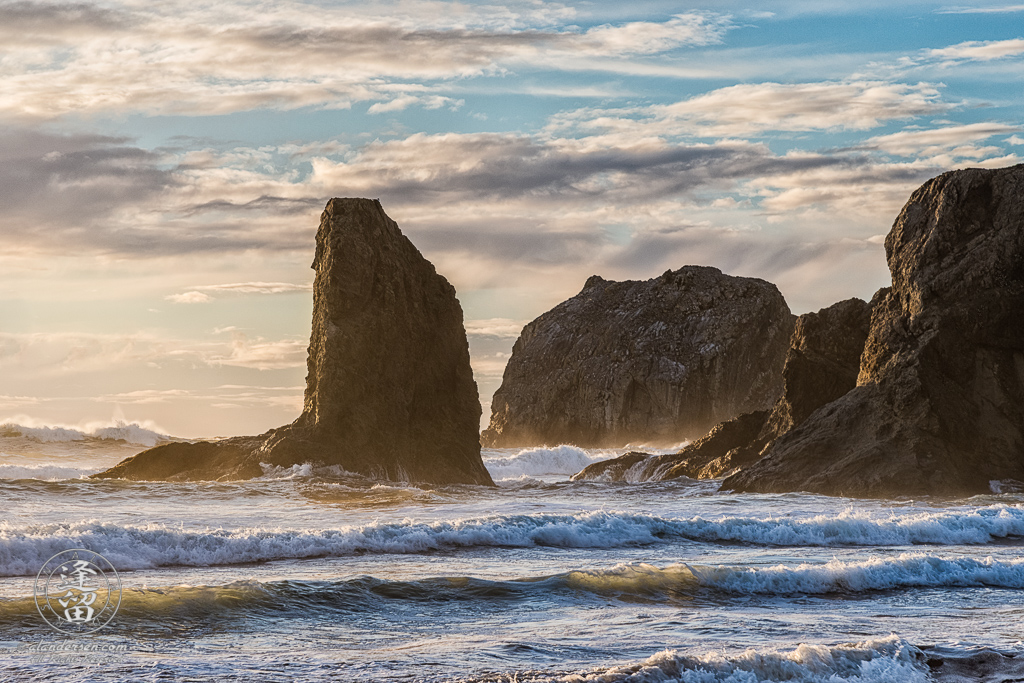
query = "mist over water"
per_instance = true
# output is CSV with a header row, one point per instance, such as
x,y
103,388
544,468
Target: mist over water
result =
x,y
315,574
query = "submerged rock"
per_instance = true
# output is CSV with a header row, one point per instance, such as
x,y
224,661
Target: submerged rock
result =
x,y
655,361
939,402
389,392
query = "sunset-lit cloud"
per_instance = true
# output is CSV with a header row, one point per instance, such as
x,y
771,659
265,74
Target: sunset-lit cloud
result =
x,y
163,168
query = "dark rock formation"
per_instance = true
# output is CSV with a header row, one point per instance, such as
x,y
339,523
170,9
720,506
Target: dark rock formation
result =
x,y
821,365
622,468
390,392
650,361
939,402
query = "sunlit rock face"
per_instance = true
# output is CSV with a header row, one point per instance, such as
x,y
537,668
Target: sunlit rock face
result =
x,y
939,402
655,361
390,393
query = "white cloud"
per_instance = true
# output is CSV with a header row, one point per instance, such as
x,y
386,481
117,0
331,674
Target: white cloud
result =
x,y
406,101
189,298
495,327
1001,9
59,354
261,354
978,50
188,59
256,287
749,109
948,139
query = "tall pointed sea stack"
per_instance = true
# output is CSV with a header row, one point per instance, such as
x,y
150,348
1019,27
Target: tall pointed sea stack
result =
x,y
390,392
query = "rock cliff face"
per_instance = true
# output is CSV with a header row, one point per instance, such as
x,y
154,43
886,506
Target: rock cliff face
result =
x,y
390,392
939,402
650,361
821,365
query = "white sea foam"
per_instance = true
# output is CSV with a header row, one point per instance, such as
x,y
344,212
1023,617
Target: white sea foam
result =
x,y
907,570
978,525
157,545
44,472
119,430
538,462
305,470
873,661
154,545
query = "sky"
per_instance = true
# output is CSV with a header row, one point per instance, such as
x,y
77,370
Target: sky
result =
x,y
163,167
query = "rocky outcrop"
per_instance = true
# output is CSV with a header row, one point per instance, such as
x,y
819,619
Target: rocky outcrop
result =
x,y
821,365
939,402
652,361
724,448
389,391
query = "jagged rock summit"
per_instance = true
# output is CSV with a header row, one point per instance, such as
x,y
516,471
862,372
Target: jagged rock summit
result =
x,y
652,361
939,402
389,393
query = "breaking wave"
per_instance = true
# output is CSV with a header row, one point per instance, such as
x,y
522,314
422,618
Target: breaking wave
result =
x,y
136,547
132,433
539,461
871,661
44,472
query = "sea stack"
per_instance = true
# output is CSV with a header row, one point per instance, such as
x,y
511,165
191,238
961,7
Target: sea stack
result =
x,y
939,403
821,365
654,361
389,392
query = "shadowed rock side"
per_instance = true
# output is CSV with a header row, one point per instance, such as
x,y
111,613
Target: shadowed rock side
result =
x,y
939,402
821,365
650,361
706,458
389,393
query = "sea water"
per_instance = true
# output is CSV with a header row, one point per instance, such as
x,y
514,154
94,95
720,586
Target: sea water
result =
x,y
313,574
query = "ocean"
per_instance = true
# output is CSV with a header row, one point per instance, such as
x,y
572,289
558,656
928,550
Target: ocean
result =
x,y
315,575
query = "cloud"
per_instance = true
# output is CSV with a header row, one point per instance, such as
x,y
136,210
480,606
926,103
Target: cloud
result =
x,y
975,50
749,109
1002,9
187,59
256,287
189,298
61,354
406,101
221,396
953,140
502,328
260,354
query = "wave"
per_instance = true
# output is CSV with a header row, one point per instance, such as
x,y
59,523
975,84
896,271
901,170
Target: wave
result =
x,y
43,472
132,433
22,550
870,661
908,570
632,583
531,462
